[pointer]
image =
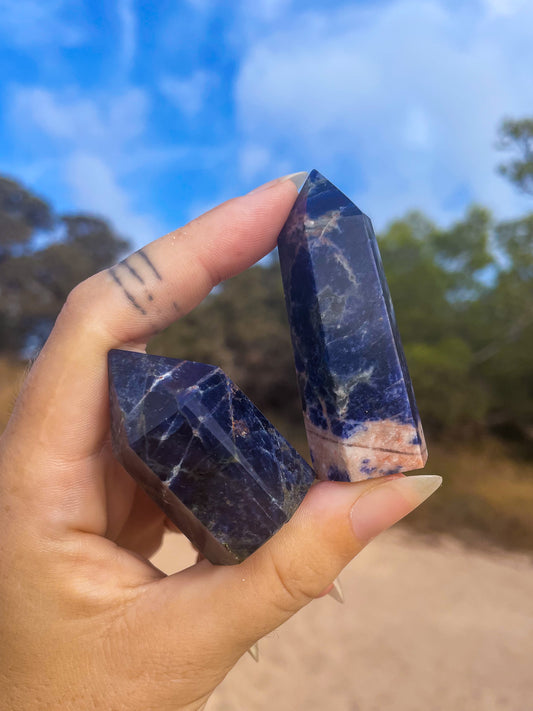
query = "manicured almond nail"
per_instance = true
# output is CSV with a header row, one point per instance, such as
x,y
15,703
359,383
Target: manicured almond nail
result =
x,y
385,504
297,178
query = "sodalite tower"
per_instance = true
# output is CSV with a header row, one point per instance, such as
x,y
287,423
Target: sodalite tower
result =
x,y
359,407
202,450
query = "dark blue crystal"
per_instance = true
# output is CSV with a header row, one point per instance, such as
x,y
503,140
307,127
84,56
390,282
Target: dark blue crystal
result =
x,y
204,452
357,396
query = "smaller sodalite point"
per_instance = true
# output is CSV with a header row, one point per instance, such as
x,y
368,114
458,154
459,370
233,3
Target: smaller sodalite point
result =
x,y
359,407
206,455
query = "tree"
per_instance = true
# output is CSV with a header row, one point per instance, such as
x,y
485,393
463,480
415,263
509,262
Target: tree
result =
x,y
42,257
243,328
22,214
516,137
435,279
507,309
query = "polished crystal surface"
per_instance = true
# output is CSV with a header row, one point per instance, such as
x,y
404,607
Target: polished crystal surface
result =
x,y
359,406
200,448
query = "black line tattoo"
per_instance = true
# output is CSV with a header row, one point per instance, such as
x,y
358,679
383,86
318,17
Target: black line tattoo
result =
x,y
132,271
129,296
150,264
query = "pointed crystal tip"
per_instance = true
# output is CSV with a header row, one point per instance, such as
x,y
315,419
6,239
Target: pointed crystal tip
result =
x,y
199,447
359,407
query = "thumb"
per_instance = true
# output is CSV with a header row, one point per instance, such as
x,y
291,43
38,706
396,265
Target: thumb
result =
x,y
242,603
332,525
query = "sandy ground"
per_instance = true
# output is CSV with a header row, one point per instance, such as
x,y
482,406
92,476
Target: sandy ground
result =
x,y
427,626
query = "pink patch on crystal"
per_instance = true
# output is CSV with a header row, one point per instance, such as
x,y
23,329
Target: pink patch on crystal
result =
x,y
376,449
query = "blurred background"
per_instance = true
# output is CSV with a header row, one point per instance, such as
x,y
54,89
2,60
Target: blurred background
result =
x,y
121,121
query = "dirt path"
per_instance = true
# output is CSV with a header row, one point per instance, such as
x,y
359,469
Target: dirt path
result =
x,y
427,626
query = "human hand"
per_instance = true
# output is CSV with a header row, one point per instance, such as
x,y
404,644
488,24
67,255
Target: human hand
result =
x,y
86,622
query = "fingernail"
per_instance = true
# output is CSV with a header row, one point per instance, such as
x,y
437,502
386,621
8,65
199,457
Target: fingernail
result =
x,y
336,591
383,505
297,178
254,652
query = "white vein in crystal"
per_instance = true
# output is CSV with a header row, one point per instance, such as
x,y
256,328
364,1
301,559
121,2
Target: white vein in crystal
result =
x,y
198,410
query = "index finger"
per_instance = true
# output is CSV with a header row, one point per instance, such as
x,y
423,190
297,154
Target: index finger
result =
x,y
65,396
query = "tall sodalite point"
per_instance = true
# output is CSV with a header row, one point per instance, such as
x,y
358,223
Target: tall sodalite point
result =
x,y
206,455
359,407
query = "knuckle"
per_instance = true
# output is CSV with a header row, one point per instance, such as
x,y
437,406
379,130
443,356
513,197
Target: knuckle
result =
x,y
291,584
81,305
210,268
78,295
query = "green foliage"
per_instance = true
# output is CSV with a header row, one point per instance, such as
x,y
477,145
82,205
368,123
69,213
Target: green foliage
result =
x,y
35,280
417,283
505,358
243,328
434,278
463,297
516,137
460,309
463,301
447,393
21,214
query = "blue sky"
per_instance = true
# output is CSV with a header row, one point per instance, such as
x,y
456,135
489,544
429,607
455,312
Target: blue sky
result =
x,y
151,112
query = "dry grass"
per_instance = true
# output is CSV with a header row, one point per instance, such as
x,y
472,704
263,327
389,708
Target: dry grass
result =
x,y
486,498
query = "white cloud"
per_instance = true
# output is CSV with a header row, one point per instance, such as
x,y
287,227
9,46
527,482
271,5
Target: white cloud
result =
x,y
505,7
34,23
264,10
201,5
95,188
254,159
406,95
187,94
94,143
102,123
128,40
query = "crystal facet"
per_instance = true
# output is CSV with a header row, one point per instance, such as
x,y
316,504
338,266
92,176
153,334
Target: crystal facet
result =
x,y
200,448
359,406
